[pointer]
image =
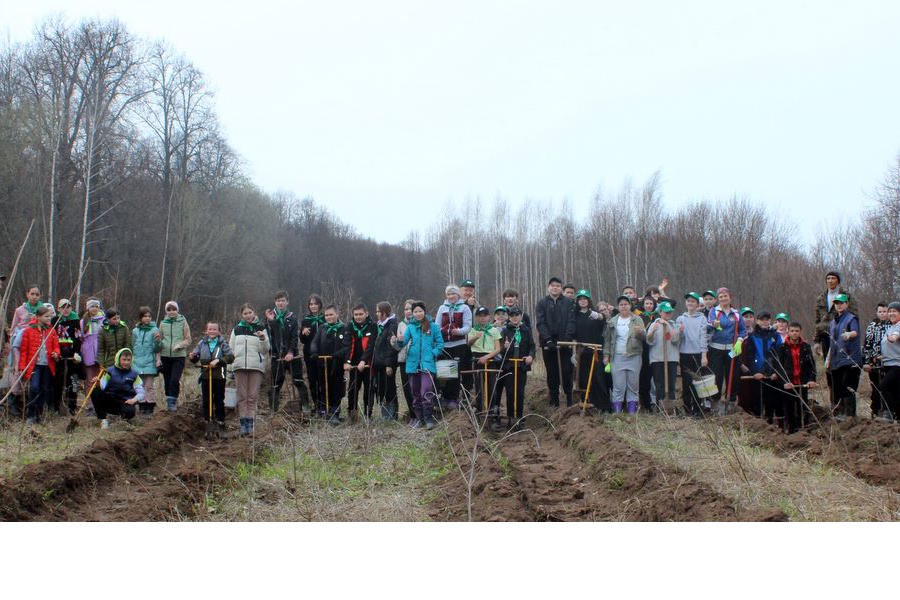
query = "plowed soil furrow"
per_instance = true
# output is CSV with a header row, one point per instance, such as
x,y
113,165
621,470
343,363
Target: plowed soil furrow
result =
x,y
867,449
160,471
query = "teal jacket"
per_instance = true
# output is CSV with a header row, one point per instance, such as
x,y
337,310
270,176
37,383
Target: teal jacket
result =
x,y
424,347
144,348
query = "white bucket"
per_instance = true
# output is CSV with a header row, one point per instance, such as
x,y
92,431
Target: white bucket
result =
x,y
706,386
447,369
230,397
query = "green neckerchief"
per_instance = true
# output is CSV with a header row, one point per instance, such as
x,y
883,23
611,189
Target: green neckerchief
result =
x,y
250,326
518,336
380,329
110,327
32,308
212,344
317,319
280,315
484,329
359,332
455,307
330,329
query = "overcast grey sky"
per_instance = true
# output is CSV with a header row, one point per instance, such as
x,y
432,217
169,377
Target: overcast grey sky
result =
x,y
357,104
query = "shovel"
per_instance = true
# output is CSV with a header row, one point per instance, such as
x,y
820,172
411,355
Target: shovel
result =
x,y
327,396
211,426
515,362
73,422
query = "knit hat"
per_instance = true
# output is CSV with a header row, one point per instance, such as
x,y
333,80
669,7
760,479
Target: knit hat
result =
x,y
92,303
49,306
835,273
172,303
451,289
723,290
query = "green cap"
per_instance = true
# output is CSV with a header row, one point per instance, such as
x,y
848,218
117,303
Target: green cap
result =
x,y
710,293
746,310
584,293
501,307
665,307
841,298
467,283
783,317
693,295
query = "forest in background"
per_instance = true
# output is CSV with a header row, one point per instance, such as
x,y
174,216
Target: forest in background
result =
x,y
110,144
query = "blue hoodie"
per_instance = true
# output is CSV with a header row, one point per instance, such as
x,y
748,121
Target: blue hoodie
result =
x,y
424,348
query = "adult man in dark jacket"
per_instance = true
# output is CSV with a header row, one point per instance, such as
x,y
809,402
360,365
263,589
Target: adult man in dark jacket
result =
x,y
555,319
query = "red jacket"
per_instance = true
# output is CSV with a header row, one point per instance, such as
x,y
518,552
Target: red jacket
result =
x,y
31,343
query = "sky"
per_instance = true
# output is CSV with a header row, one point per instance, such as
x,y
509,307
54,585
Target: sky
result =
x,y
421,105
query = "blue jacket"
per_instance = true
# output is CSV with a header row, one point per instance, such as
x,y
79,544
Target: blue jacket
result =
x,y
844,353
721,326
424,348
761,351
144,349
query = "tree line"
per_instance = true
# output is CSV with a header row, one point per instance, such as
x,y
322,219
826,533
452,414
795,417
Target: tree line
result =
x,y
112,146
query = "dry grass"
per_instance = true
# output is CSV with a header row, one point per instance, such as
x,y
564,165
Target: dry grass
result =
x,y
379,472
735,463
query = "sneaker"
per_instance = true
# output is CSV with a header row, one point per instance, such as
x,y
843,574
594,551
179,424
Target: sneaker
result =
x,y
104,424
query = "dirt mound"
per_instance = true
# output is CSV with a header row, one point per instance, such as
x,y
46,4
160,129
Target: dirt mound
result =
x,y
868,449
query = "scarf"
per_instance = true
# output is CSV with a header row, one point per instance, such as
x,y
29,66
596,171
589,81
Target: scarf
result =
x,y
484,329
212,344
251,326
317,319
381,324
333,329
360,330
453,307
280,315
32,308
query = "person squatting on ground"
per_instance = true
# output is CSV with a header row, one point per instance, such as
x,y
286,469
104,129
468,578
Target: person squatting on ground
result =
x,y
663,338
38,354
796,370
175,343
213,354
844,359
359,338
309,327
384,361
250,344
875,331
484,342
284,342
454,318
328,350
119,389
147,343
426,342
555,320
622,351
692,351
68,332
590,328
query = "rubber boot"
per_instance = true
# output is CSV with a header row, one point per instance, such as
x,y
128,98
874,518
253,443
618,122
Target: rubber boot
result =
x,y
274,399
427,413
631,407
171,403
617,407
250,424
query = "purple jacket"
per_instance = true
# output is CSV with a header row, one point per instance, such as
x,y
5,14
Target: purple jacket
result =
x,y
90,328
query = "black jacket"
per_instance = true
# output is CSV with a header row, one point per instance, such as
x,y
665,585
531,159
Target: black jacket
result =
x,y
359,340
384,354
283,336
555,319
329,342
69,333
524,348
785,369
588,330
313,324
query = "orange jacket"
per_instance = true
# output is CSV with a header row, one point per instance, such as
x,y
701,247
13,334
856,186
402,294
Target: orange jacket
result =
x,y
32,338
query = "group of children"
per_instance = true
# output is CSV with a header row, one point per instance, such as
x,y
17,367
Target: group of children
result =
x,y
619,358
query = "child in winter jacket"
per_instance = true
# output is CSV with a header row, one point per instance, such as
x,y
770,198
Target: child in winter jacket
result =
x,y
519,350
328,350
38,353
213,353
425,343
25,313
359,339
309,327
796,371
284,338
91,325
250,344
692,350
759,361
663,337
120,389
114,335
175,343
484,342
147,341
384,361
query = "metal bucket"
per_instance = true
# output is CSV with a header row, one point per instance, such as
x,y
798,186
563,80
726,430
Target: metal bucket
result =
x,y
447,369
705,386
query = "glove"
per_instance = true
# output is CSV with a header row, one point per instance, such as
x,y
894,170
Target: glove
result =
x,y
77,358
